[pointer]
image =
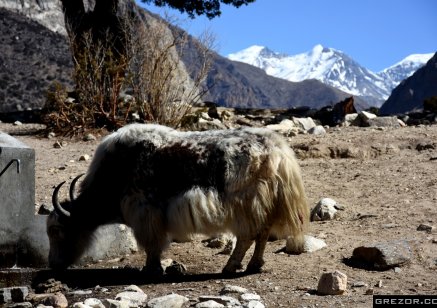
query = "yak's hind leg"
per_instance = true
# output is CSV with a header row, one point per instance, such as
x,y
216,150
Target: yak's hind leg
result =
x,y
257,260
237,256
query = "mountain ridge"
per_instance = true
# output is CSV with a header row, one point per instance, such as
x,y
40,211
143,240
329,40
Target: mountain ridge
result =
x,y
332,67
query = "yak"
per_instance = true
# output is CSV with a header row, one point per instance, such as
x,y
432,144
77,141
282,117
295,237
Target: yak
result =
x,y
169,185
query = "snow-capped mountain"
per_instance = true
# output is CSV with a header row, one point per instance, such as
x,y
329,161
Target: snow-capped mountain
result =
x,y
334,68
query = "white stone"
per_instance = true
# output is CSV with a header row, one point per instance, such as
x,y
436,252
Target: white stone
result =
x,y
233,289
209,304
171,300
80,305
94,303
133,298
247,297
305,123
112,303
324,210
225,300
84,157
334,283
133,288
254,304
317,130
367,115
312,244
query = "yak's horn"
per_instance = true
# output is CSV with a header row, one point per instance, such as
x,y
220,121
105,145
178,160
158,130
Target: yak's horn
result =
x,y
56,204
73,195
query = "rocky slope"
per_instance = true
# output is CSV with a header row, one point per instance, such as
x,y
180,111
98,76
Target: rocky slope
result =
x,y
411,93
33,56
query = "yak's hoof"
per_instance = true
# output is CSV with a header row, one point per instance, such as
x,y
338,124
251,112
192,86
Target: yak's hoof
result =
x,y
255,267
253,270
155,271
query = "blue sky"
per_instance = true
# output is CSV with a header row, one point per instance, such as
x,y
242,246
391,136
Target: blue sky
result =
x,y
376,33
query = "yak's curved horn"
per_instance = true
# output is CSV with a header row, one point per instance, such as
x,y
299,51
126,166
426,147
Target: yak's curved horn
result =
x,y
73,195
56,204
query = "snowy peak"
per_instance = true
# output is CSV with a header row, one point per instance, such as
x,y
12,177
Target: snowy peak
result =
x,y
405,68
332,67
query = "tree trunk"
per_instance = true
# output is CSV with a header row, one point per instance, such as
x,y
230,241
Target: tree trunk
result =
x,y
102,21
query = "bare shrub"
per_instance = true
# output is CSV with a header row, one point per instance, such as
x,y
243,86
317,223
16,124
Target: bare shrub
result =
x,y
149,69
162,94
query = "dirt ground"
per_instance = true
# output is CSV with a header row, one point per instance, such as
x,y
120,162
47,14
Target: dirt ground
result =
x,y
385,178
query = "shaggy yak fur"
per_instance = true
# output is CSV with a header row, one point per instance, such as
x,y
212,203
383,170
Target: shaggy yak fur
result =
x,y
167,185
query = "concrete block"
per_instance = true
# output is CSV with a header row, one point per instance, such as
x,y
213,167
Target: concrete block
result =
x,y
23,237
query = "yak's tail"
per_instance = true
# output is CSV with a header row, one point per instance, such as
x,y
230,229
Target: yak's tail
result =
x,y
291,203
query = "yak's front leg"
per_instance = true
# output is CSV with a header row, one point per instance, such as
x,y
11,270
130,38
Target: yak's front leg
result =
x,y
148,225
153,261
237,256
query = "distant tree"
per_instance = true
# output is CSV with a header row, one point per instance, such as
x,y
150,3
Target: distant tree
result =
x,y
100,47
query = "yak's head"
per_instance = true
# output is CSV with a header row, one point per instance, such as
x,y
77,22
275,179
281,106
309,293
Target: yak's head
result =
x,y
64,231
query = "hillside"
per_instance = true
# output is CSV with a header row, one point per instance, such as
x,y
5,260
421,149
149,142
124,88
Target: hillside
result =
x,y
32,57
411,93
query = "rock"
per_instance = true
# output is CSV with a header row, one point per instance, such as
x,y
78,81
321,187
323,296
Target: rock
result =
x,y
350,118
385,255
176,268
224,300
51,286
363,118
286,127
369,291
312,244
20,305
84,157
334,283
383,122
19,294
227,289
317,130
89,137
45,209
426,228
133,288
18,123
253,304
359,284
5,295
304,123
57,145
112,303
247,297
94,303
422,146
132,298
209,304
57,300
80,305
168,301
325,209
